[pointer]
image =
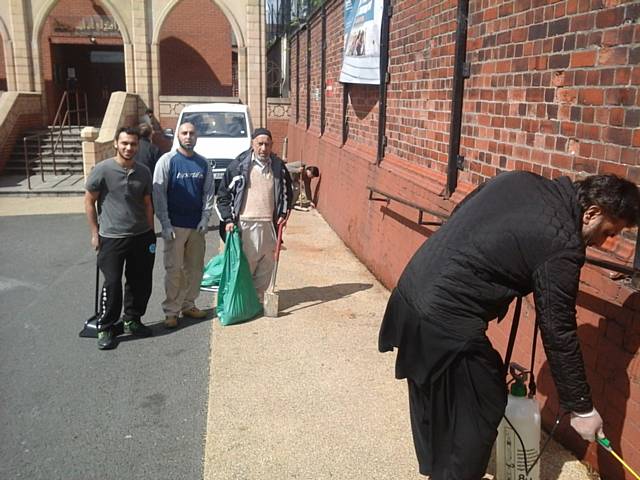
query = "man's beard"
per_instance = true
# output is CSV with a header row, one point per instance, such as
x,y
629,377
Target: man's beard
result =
x,y
188,148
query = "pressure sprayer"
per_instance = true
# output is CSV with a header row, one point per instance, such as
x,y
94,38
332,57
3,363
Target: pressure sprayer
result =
x,y
518,443
518,448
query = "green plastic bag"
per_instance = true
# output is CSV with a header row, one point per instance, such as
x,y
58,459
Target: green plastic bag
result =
x,y
237,297
213,271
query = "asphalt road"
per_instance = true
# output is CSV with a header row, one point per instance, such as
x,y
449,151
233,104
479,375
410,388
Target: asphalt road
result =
x,y
70,411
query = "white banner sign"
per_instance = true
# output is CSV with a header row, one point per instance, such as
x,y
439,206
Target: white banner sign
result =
x,y
362,21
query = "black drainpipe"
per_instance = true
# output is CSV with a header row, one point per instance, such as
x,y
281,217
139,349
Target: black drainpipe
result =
x,y
460,73
387,12
308,74
345,118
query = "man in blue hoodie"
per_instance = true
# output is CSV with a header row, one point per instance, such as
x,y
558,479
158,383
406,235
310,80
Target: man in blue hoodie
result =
x,y
183,191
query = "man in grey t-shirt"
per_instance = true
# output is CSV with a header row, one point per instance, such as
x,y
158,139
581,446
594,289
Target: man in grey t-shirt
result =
x,y
122,233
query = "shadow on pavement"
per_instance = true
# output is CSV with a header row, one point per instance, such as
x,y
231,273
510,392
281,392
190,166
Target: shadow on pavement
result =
x,y
159,330
297,296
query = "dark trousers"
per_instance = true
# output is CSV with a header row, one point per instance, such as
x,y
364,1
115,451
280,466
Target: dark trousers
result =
x,y
134,255
454,418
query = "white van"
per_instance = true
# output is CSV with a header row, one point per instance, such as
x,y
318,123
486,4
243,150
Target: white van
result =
x,y
224,132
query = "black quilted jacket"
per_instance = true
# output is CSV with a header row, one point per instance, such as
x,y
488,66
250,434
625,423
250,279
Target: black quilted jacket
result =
x,y
233,188
517,234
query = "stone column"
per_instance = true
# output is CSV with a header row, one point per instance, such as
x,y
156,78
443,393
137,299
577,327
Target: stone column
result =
x,y
129,74
141,40
10,65
22,57
155,79
89,153
243,92
256,61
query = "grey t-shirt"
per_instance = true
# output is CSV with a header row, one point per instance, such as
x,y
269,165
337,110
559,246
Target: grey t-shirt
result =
x,y
121,210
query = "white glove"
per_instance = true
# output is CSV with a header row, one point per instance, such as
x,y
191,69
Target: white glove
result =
x,y
168,234
588,425
203,226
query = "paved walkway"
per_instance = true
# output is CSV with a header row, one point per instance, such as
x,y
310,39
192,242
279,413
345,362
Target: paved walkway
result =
x,y
307,395
40,205
53,185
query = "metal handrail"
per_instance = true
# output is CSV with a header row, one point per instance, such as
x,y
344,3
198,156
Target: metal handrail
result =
x,y
57,123
66,120
27,168
387,197
631,271
62,101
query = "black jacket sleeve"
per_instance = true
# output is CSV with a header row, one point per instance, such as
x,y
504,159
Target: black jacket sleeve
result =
x,y
288,183
556,284
224,197
155,155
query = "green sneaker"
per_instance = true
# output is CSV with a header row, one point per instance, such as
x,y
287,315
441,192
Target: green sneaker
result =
x,y
137,329
106,340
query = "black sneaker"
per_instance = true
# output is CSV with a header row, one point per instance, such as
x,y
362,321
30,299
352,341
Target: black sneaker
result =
x,y
106,340
137,329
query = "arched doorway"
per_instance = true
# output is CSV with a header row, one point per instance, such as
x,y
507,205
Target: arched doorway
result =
x,y
197,60
81,50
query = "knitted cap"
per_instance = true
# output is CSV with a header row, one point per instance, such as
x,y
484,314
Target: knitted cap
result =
x,y
261,131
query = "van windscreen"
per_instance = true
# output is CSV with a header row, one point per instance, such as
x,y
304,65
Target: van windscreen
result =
x,y
217,124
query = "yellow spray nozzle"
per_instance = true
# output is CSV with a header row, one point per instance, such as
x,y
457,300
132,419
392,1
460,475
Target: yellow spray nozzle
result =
x,y
606,444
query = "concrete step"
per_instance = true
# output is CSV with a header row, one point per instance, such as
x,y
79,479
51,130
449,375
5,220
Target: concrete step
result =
x,y
48,169
68,157
33,155
36,163
74,131
46,161
68,144
45,147
46,141
15,157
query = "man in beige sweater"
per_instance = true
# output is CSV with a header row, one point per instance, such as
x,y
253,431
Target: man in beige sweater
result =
x,y
255,195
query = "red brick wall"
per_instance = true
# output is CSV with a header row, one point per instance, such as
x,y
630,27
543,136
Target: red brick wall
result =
x,y
278,128
302,78
333,100
24,124
195,51
24,116
554,90
421,50
316,52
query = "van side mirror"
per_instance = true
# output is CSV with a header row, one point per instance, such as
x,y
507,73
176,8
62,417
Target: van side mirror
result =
x,y
168,132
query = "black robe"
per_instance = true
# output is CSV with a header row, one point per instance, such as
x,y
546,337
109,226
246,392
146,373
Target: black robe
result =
x,y
519,233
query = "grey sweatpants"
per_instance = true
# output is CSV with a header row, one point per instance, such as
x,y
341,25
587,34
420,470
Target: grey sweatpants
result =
x,y
258,245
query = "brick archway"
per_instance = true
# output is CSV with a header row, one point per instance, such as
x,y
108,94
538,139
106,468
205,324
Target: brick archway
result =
x,y
41,19
84,49
196,57
235,26
192,61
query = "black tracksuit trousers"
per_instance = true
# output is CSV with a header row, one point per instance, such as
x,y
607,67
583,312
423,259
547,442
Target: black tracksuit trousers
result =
x,y
135,255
